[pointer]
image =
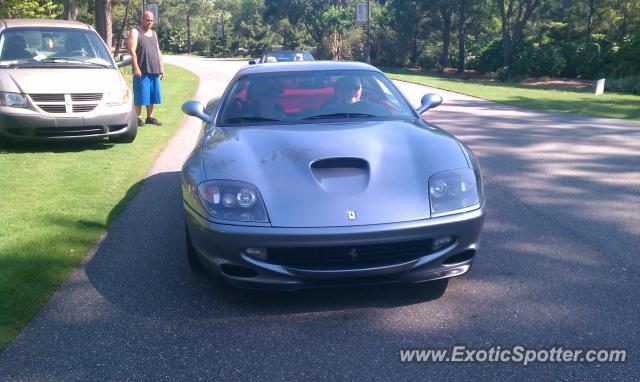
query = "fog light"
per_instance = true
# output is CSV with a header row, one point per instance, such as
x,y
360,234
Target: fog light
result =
x,y
441,242
256,253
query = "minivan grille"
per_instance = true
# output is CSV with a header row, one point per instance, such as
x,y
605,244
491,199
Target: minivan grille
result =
x,y
47,97
83,108
66,103
54,108
86,97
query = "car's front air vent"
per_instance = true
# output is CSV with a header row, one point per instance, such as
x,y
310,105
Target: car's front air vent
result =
x,y
83,108
53,108
86,97
47,97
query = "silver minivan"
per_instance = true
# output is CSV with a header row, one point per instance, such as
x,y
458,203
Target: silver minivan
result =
x,y
58,81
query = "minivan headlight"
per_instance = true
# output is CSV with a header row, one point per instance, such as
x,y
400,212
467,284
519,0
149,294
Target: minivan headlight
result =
x,y
232,200
117,98
454,191
12,99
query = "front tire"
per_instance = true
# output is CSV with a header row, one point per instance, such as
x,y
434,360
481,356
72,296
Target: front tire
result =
x,y
130,135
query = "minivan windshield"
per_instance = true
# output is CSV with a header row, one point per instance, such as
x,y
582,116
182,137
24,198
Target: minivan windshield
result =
x,y
47,46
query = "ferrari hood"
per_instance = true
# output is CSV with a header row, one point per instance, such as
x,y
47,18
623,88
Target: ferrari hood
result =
x,y
323,175
60,80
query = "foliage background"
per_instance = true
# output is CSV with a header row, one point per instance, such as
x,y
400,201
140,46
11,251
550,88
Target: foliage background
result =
x,y
585,39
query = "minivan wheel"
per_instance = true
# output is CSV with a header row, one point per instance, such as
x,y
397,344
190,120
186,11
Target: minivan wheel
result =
x,y
130,135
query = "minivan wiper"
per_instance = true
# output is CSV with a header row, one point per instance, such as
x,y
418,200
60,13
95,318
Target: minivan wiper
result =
x,y
60,60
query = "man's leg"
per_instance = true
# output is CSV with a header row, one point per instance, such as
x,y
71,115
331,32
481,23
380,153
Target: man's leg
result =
x,y
154,98
140,96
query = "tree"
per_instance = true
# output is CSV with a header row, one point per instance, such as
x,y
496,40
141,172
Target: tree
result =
x,y
514,19
19,9
71,9
104,21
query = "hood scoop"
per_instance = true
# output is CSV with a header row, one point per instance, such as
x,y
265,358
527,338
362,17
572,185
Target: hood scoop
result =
x,y
341,176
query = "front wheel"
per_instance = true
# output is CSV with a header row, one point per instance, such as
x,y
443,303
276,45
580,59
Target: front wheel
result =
x,y
130,135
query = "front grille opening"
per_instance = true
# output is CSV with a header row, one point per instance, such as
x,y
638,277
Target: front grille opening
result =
x,y
114,128
17,131
86,97
237,271
83,108
53,108
47,97
68,131
350,257
460,257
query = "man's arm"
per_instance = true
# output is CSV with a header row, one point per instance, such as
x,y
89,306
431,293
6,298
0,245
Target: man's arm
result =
x,y
133,46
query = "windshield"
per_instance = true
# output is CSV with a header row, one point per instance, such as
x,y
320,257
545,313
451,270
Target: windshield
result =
x,y
40,46
309,96
287,56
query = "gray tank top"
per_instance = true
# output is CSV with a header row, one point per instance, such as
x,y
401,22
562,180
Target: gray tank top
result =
x,y
147,52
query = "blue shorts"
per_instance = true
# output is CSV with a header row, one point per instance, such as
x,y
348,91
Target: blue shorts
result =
x,y
146,89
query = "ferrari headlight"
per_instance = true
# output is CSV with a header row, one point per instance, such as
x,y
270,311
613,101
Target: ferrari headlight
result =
x,y
232,200
117,98
454,191
12,99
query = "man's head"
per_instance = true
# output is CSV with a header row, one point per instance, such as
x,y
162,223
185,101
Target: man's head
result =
x,y
348,90
147,20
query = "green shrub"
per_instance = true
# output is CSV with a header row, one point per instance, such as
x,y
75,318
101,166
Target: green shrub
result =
x,y
629,84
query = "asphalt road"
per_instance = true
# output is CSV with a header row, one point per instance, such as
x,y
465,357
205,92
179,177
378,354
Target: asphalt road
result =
x,y
558,266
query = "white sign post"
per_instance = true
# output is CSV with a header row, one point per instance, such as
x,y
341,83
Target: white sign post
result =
x,y
361,13
600,87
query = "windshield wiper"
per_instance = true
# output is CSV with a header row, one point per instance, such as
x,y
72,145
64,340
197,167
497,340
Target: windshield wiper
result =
x,y
341,115
60,60
250,119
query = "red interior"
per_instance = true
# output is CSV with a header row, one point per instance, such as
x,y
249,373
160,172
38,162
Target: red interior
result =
x,y
295,100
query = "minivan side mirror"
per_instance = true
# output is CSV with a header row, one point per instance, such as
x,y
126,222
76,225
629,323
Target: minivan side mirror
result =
x,y
195,109
429,101
125,60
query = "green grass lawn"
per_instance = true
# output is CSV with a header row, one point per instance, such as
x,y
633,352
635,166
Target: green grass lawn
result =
x,y
611,105
57,199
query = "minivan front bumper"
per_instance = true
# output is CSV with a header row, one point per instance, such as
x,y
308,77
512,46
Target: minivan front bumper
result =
x,y
30,125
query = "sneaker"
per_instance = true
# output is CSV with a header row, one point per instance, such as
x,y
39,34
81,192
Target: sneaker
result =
x,y
153,121
140,122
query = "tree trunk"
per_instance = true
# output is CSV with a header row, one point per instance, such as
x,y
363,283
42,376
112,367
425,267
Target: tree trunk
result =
x,y
104,21
71,9
461,34
590,19
188,33
124,25
445,15
513,27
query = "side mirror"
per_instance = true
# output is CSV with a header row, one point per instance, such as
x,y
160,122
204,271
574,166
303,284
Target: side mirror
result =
x,y
429,101
195,109
125,60
253,62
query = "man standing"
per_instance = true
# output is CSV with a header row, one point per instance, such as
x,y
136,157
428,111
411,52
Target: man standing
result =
x,y
148,69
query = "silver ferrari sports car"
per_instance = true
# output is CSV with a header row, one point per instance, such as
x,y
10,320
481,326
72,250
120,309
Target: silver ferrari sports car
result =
x,y
323,174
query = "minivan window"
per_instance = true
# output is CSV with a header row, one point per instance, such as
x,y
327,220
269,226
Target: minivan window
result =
x,y
42,46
